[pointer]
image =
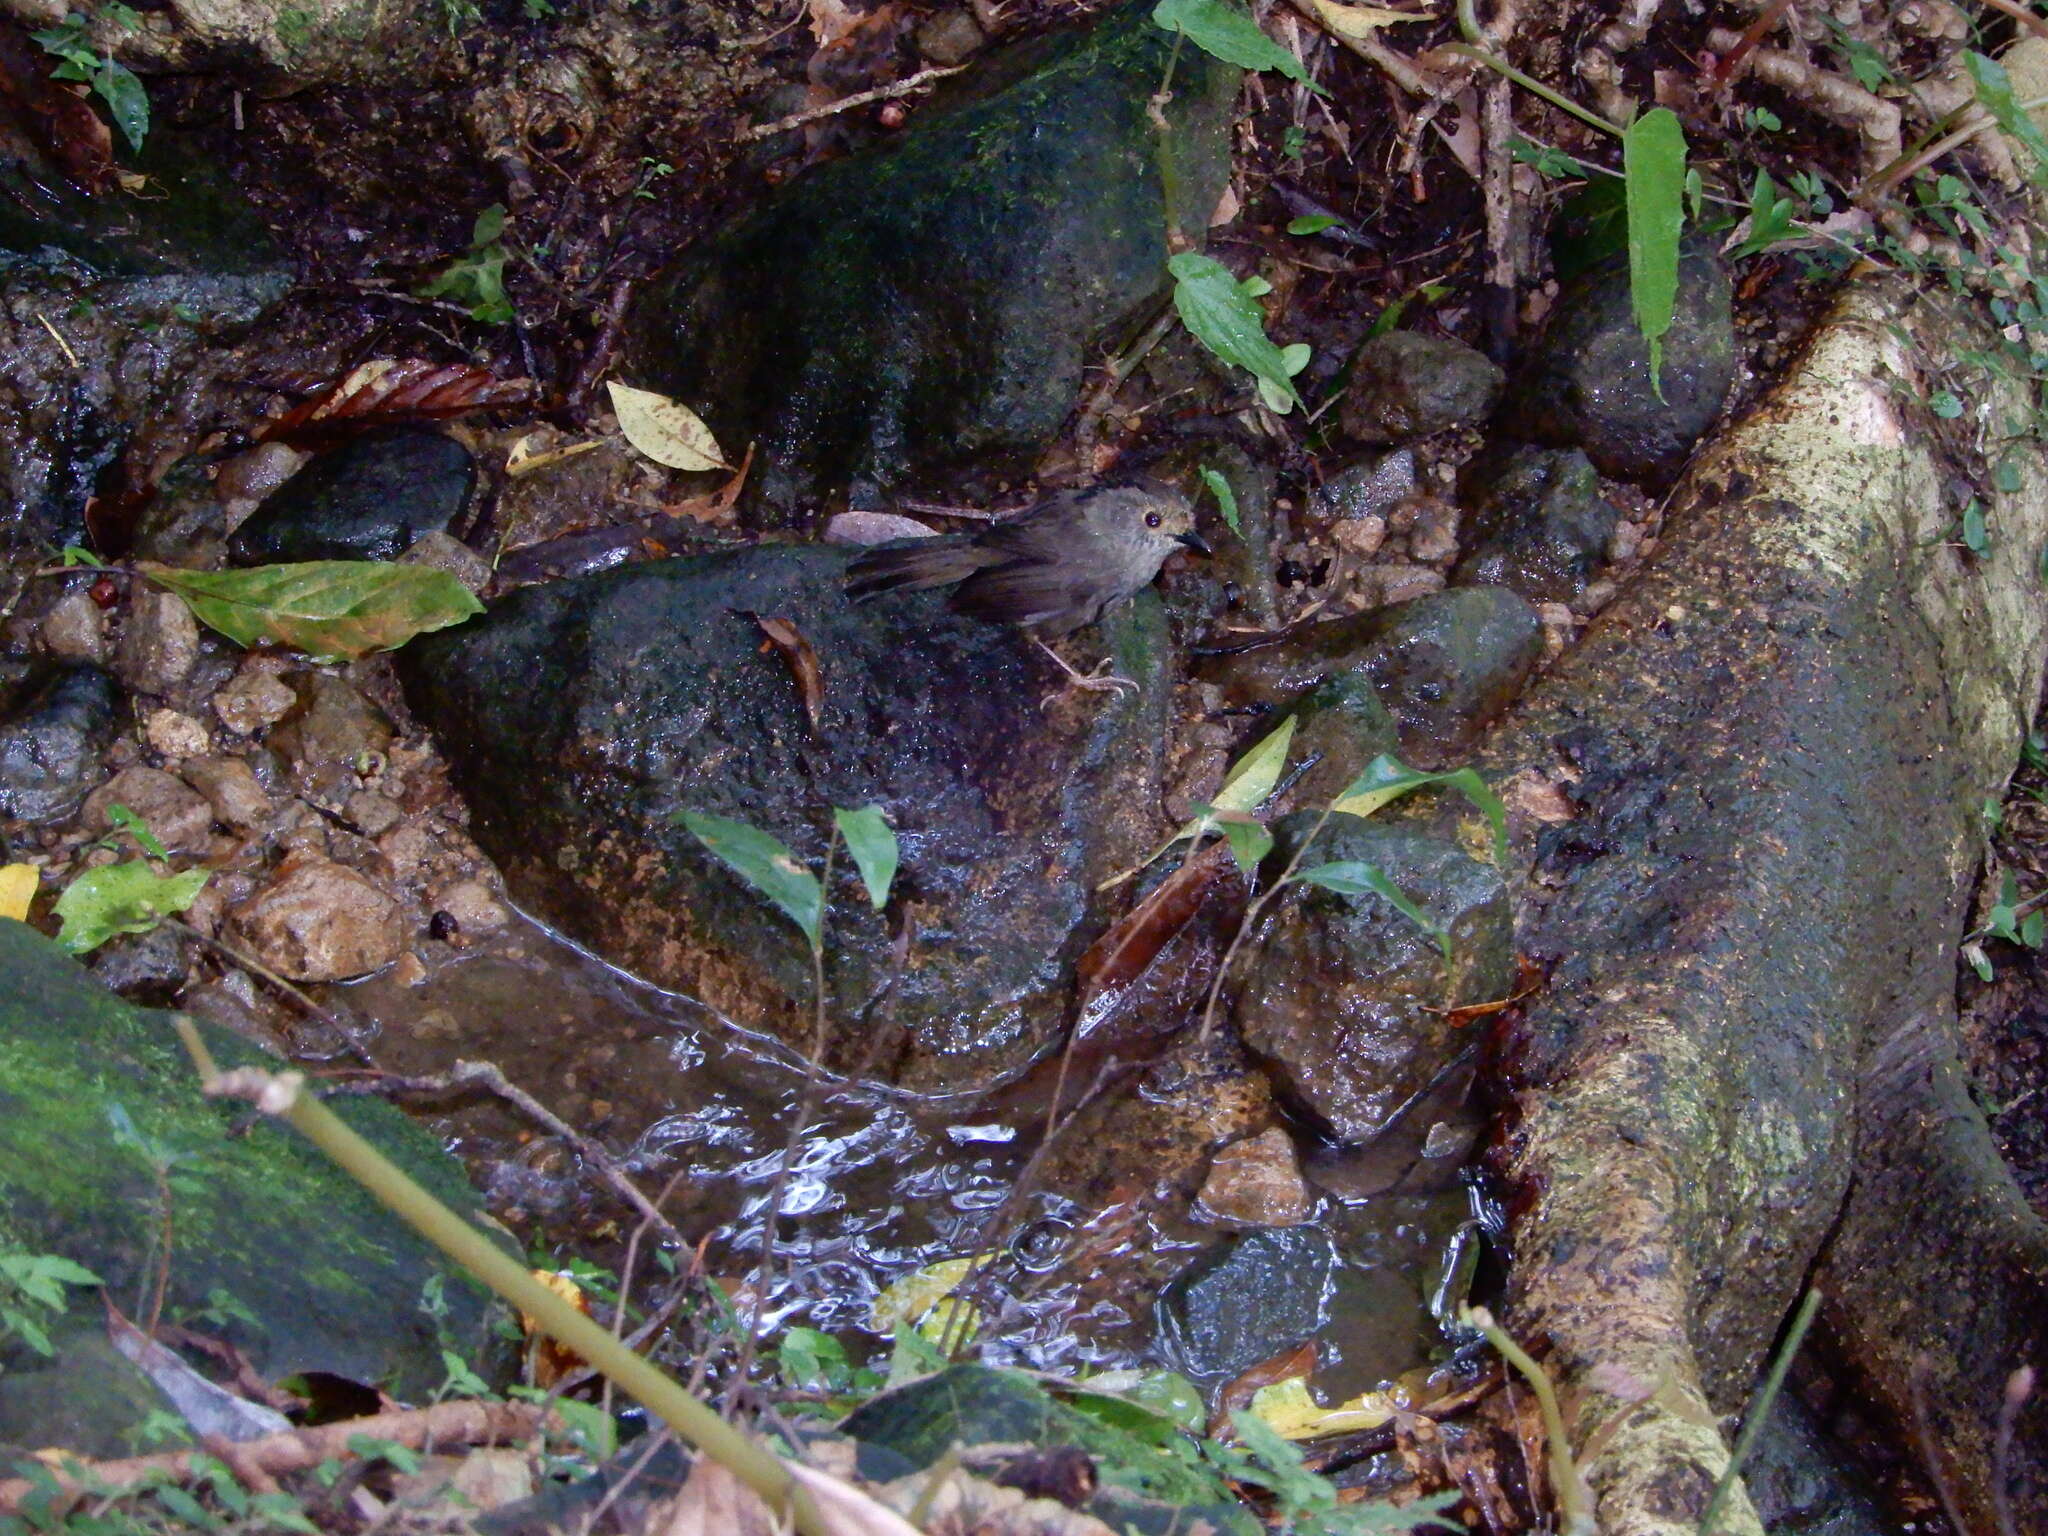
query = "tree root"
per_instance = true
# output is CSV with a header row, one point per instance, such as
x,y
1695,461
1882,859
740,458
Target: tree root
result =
x,y
1774,746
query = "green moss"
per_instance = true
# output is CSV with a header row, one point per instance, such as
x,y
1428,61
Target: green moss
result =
x,y
101,1116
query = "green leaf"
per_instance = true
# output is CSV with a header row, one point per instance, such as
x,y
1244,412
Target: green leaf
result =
x,y
1228,32
1226,498
764,862
1994,95
121,898
812,1361
1224,318
1976,532
344,608
1312,224
1945,404
1770,219
1252,777
2033,928
1386,779
1553,164
873,846
1352,877
1249,842
1653,173
138,829
127,102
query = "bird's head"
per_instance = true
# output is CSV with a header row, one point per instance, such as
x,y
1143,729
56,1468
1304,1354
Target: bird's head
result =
x,y
1148,516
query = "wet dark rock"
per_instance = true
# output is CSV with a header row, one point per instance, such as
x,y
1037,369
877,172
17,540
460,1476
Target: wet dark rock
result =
x,y
146,968
348,1303
55,726
1405,385
1246,1300
368,499
1538,524
1343,995
1372,487
85,1397
1339,727
579,717
1587,384
135,286
1235,583
1444,664
950,37
1802,1482
937,300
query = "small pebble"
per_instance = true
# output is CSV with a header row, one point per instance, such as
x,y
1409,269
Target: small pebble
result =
x,y
159,642
231,788
1361,536
176,814
1257,1183
175,735
75,629
253,700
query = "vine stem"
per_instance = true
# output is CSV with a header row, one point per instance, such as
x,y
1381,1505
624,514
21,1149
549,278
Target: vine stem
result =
x,y
1252,914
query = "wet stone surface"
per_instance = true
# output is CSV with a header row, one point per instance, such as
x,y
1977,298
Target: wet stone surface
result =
x,y
903,311
1587,384
370,499
1405,385
580,717
1538,524
55,727
1246,1300
1343,996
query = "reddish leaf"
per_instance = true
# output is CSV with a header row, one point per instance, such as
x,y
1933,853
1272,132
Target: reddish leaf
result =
x,y
803,663
717,506
59,117
1122,955
387,390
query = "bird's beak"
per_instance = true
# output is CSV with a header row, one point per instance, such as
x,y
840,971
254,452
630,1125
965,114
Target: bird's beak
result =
x,y
1195,542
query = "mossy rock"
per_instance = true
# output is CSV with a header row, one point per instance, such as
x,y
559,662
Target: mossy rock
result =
x,y
103,1125
904,311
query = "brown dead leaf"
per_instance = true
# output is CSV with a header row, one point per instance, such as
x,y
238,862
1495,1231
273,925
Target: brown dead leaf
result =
x,y
717,506
713,1502
1121,955
386,390
803,664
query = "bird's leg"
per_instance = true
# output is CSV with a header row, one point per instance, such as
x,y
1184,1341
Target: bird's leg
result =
x,y
1093,682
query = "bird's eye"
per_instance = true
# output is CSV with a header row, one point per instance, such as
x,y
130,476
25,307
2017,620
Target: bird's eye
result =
x,y
1151,519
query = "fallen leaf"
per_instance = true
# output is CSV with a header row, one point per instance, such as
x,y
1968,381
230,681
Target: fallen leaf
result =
x,y
717,506
1359,22
1529,977
523,460
553,1360
1292,1413
665,430
832,20
346,608
802,657
1124,953
919,1300
18,884
386,390
121,898
1293,1363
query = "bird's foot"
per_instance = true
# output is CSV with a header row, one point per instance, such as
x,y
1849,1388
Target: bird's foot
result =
x,y
1101,680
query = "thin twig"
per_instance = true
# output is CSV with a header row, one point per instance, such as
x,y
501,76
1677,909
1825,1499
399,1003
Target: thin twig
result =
x,y
915,83
485,1075
250,963
1930,1448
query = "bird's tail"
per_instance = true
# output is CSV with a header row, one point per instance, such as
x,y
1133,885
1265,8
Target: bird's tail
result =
x,y
912,568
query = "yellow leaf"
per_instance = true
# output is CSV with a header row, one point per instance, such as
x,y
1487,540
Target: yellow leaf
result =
x,y
667,432
1287,1407
17,889
1359,22
917,1300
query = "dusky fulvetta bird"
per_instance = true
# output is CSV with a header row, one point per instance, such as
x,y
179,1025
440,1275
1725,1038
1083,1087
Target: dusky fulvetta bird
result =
x,y
1052,568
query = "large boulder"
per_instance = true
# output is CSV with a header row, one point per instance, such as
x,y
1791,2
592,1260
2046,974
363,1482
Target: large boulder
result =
x,y
579,717
111,1156
936,301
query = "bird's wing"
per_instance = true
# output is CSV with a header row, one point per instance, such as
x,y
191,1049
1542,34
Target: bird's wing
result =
x,y
1041,593
914,567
